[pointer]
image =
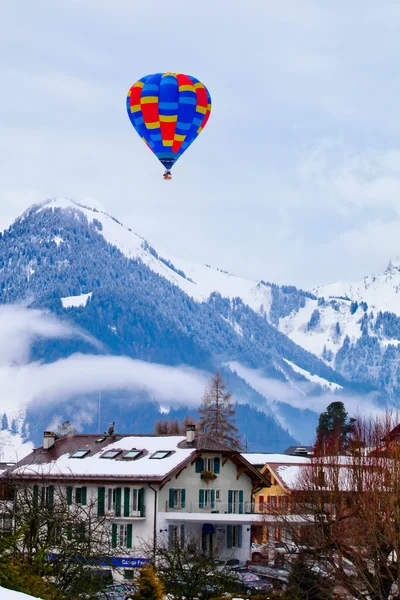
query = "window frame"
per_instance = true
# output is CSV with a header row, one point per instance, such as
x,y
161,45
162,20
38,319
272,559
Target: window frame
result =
x,y
82,453
165,453
115,452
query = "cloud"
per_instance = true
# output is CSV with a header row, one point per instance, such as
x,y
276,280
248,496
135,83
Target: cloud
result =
x,y
297,394
23,382
20,326
299,75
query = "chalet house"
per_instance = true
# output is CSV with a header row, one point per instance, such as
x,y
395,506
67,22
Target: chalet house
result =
x,y
149,486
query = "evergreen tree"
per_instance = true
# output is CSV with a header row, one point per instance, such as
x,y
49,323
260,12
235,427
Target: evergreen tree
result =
x,y
306,584
149,586
217,412
333,429
14,428
4,422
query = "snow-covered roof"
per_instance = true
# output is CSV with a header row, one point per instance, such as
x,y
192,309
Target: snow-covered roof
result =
x,y
58,460
290,475
255,458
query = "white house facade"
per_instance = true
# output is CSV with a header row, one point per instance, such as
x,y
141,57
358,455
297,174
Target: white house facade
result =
x,y
150,487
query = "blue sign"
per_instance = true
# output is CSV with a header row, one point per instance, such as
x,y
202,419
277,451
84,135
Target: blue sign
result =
x,y
107,561
128,561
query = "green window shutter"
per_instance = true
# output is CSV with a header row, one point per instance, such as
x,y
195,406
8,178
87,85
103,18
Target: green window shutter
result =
x,y
101,501
217,465
199,465
69,532
229,536
118,496
230,500
84,496
127,501
69,495
239,536
141,502
212,498
170,536
171,502
201,498
114,535
183,498
50,496
182,534
241,503
35,496
129,535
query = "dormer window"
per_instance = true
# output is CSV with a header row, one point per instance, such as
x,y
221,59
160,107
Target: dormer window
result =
x,y
111,454
79,454
132,454
161,454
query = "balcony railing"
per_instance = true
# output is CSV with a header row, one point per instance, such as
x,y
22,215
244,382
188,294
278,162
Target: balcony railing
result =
x,y
237,508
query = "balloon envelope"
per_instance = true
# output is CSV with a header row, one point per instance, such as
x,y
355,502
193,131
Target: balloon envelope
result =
x,y
169,111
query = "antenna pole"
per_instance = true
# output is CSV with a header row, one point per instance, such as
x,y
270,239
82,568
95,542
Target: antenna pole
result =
x,y
99,410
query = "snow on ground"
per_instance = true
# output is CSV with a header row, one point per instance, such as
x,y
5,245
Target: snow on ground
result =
x,y
314,378
11,595
58,240
75,301
325,333
380,292
205,279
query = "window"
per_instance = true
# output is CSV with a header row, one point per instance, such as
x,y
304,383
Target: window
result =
x,y
177,498
129,574
111,499
99,440
111,454
121,535
161,454
5,525
234,536
208,464
6,492
78,495
218,496
176,535
132,454
79,453
206,498
135,500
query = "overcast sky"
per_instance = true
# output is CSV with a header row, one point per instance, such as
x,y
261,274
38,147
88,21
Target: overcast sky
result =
x,y
296,178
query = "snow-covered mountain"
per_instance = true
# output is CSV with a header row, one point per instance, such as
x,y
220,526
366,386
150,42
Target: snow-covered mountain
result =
x,y
198,281
146,331
354,327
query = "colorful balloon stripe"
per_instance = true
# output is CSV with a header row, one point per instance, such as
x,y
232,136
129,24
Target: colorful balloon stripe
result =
x,y
168,110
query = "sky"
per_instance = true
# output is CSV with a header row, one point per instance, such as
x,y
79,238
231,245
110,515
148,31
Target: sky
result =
x,y
295,179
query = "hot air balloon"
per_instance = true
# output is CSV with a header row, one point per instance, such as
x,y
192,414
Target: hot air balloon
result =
x,y
169,111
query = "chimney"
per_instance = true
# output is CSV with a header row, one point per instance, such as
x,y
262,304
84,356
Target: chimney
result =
x,y
190,433
49,437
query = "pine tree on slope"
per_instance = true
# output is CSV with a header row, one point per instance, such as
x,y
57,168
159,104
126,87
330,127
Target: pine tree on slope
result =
x,y
217,414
